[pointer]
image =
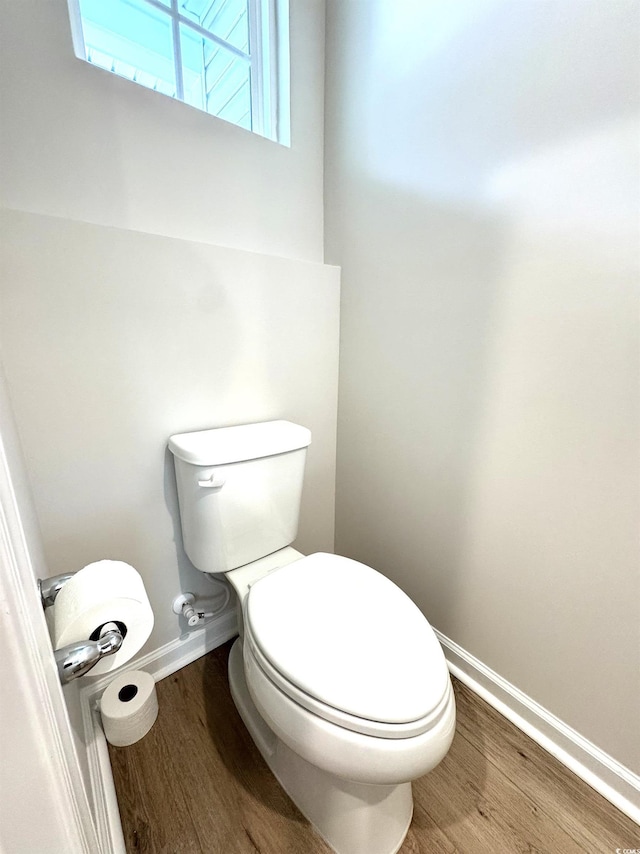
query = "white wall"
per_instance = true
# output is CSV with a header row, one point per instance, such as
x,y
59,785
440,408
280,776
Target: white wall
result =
x,y
113,338
42,803
82,143
482,199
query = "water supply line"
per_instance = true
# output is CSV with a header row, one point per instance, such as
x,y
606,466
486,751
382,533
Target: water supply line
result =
x,y
189,605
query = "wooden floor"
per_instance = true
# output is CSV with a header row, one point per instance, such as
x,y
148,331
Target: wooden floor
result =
x,y
196,783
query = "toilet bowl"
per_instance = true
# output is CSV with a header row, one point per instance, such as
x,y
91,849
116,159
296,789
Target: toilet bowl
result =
x,y
343,745
337,675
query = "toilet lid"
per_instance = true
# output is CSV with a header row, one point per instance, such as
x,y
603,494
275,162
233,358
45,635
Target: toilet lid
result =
x,y
349,637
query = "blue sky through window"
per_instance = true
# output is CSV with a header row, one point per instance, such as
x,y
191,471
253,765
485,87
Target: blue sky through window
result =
x,y
135,39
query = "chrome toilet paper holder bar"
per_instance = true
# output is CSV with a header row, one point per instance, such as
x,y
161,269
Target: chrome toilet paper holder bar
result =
x,y
78,658
50,587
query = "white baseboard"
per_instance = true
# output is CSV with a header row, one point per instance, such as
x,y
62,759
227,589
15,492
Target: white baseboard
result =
x,y
616,783
160,663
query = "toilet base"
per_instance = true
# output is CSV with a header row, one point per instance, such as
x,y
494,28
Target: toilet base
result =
x,y
353,818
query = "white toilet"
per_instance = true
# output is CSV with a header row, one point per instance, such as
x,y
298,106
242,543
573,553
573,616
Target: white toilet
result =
x,y
337,675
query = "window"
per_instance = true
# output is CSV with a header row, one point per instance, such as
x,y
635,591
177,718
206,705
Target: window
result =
x,y
221,56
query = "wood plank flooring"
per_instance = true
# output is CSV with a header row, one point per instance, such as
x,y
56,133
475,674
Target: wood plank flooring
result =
x,y
196,783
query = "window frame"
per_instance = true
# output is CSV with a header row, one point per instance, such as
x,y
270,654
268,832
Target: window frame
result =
x,y
267,59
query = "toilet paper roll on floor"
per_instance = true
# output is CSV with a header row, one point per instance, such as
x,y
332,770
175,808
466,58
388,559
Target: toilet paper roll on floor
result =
x,y
108,591
129,708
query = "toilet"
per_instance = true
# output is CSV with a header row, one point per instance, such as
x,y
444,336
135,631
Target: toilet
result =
x,y
336,673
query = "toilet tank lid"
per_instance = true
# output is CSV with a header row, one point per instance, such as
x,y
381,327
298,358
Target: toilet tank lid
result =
x,y
223,445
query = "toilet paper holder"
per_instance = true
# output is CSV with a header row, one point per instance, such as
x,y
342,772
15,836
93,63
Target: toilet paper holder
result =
x,y
78,658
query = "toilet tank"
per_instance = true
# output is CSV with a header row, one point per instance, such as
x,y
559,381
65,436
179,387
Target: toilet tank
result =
x,y
239,491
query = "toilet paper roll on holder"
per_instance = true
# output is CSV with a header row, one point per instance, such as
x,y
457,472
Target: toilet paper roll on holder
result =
x,y
78,658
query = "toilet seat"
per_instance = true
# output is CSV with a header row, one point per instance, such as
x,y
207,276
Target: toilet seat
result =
x,y
346,643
